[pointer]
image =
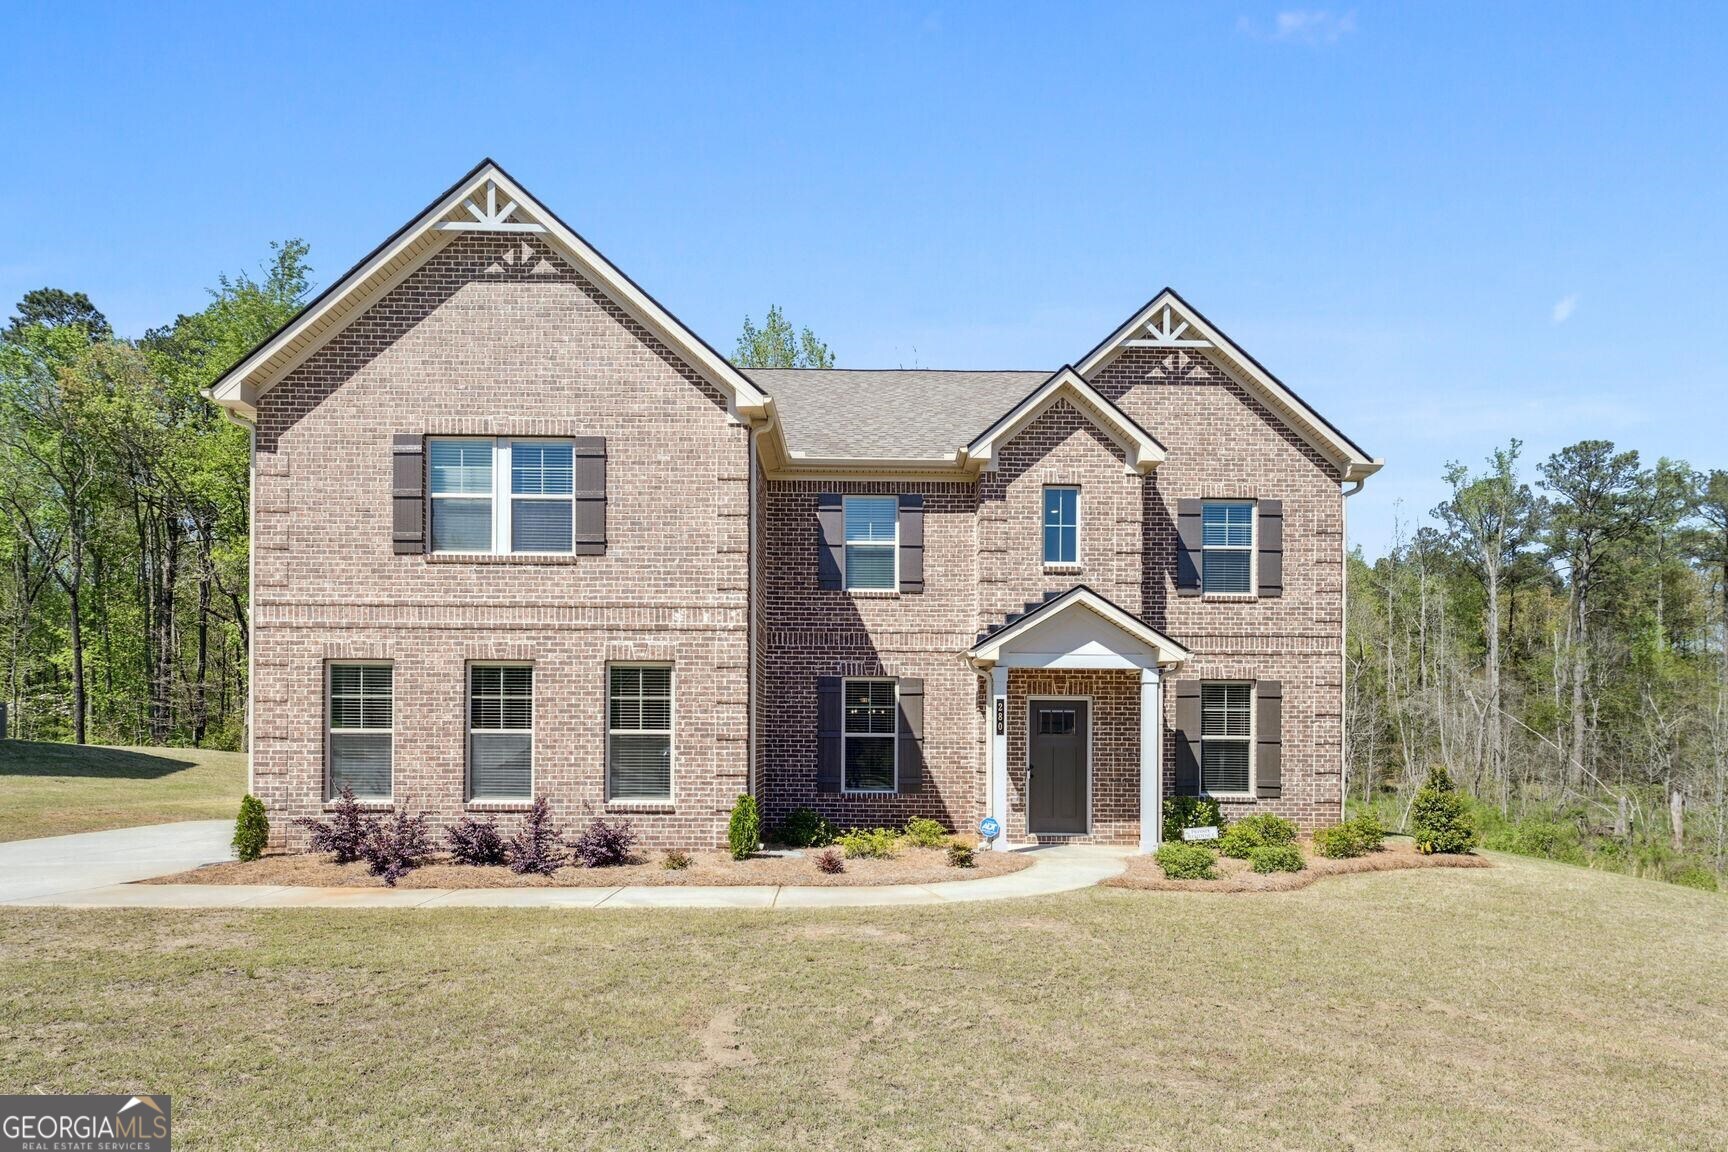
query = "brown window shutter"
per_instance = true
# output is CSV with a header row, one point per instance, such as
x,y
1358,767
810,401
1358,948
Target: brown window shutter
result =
x,y
829,721
1268,739
1189,543
1187,737
408,492
1270,530
911,736
589,455
911,542
830,540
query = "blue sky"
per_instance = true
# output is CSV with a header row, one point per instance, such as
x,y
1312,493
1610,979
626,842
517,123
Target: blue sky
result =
x,y
1444,225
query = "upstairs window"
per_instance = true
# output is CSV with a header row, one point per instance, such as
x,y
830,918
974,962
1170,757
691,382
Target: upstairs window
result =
x,y
461,495
500,731
872,536
502,496
362,715
1061,525
1227,540
869,759
1226,737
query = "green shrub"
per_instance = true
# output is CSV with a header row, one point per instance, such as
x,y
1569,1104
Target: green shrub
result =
x,y
803,828
1695,876
676,860
961,856
251,829
1276,858
1252,832
1186,862
871,844
1190,812
1440,817
744,831
922,832
1340,841
1548,839
1369,830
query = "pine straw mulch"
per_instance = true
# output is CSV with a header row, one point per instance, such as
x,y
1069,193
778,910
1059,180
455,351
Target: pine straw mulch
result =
x,y
1235,876
707,869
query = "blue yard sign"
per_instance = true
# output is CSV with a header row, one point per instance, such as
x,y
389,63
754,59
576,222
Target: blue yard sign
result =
x,y
988,828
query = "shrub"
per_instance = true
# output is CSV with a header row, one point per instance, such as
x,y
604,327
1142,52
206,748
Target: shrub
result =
x,y
744,831
603,844
805,829
830,861
1190,812
535,846
344,835
251,829
1276,858
476,842
922,832
1695,876
676,860
1549,839
961,856
874,844
1368,830
1440,816
1186,862
399,843
1339,841
1251,832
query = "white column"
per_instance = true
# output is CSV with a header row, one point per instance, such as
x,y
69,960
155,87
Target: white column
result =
x,y
1151,759
998,722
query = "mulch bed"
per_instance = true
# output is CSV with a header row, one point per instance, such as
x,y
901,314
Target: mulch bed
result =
x,y
707,869
1235,876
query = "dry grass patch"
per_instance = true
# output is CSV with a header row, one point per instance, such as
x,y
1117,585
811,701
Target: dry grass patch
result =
x,y
57,789
1236,875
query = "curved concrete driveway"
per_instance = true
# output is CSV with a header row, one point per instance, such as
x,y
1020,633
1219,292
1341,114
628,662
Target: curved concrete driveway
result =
x,y
96,870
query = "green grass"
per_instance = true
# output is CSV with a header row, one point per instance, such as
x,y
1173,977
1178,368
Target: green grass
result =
x,y
53,789
1529,1006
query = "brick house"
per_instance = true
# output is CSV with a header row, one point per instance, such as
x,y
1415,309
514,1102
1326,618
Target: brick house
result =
x,y
518,531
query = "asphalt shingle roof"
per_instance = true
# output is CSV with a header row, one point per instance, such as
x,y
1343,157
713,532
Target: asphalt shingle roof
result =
x,y
889,413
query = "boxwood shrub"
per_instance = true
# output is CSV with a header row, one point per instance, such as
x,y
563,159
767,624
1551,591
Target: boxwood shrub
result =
x,y
1251,832
1190,812
1276,858
1186,862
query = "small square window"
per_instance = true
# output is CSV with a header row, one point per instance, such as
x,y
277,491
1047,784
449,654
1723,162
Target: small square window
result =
x,y
1061,525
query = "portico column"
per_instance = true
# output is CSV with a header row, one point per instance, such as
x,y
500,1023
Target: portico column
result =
x,y
998,722
1151,759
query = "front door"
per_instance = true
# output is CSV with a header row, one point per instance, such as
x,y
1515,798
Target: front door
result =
x,y
1057,769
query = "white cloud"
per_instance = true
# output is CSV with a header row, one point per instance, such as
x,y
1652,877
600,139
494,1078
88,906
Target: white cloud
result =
x,y
1564,307
1311,26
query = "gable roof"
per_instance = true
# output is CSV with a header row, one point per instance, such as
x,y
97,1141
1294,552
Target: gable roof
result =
x,y
1168,321
994,645
487,199
1140,449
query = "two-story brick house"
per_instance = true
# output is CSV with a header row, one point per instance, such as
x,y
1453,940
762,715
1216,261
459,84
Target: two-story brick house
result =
x,y
517,531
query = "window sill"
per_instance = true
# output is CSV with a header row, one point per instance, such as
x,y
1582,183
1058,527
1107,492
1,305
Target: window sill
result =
x,y
373,804
874,593
869,792
1230,597
647,807
540,558
1050,566
498,805
1229,797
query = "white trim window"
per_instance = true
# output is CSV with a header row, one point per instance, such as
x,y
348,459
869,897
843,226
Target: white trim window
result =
x,y
502,496
1061,525
639,732
1227,547
1226,739
872,543
869,758
361,728
500,731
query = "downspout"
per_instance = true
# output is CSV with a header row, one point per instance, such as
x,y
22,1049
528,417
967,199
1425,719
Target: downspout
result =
x,y
1344,641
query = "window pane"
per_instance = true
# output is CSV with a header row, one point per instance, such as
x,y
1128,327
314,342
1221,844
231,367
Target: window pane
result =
x,y
461,467
540,525
461,525
870,763
626,680
360,696
870,706
641,767
657,715
485,678
345,712
870,519
656,681
540,469
345,678
1227,525
870,567
501,697
1225,709
1226,571
375,712
500,764
1224,766
362,762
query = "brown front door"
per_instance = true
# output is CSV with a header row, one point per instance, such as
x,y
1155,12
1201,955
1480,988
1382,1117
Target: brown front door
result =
x,y
1057,770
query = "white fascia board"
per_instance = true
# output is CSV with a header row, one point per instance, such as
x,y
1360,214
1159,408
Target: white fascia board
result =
x,y
1142,451
992,650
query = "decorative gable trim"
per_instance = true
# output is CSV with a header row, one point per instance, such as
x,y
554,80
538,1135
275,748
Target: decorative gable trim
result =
x,y
1141,451
487,199
997,645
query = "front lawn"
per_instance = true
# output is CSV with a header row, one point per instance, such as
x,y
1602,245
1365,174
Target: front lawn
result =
x,y
54,789
1528,1005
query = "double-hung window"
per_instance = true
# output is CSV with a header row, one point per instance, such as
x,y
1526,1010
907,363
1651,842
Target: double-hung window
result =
x,y
1061,525
872,531
361,718
502,496
500,731
869,753
639,732
1226,737
1227,542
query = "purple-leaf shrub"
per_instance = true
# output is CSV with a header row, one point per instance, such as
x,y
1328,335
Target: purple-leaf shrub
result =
x,y
830,861
535,847
347,830
476,842
603,845
398,844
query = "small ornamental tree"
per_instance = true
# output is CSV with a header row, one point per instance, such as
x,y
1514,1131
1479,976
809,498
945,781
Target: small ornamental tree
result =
x,y
534,848
475,841
744,832
1440,817
345,833
399,843
251,829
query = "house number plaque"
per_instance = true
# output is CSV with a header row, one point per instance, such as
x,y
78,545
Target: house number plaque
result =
x,y
1001,717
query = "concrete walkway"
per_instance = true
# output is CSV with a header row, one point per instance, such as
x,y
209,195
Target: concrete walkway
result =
x,y
95,870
